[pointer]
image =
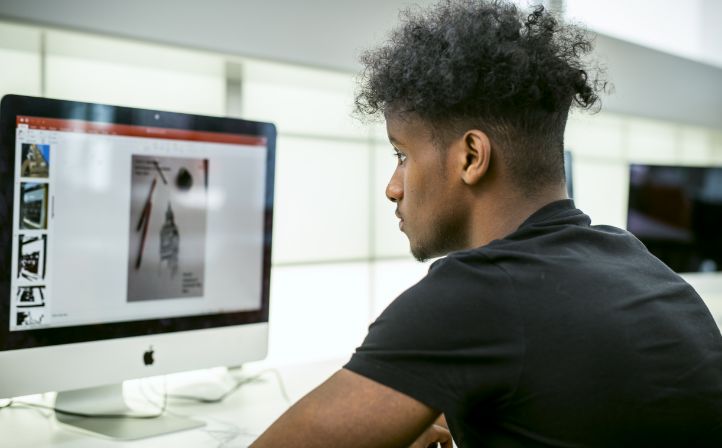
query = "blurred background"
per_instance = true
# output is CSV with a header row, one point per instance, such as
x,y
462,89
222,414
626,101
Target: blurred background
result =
x,y
338,257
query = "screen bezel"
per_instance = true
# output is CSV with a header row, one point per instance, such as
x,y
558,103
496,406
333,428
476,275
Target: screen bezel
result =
x,y
12,106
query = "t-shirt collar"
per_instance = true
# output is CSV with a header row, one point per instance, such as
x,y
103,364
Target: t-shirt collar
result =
x,y
549,211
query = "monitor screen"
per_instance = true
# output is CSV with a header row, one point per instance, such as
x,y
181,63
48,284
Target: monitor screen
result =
x,y
120,222
676,211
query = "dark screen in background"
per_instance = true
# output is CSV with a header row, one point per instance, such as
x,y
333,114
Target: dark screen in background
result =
x,y
677,213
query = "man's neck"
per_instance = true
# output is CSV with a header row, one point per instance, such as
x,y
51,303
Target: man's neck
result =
x,y
496,216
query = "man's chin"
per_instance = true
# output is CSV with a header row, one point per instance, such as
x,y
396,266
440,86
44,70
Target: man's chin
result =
x,y
423,254
418,252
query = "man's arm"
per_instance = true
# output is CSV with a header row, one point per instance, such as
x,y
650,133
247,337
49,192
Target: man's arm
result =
x,y
435,435
350,410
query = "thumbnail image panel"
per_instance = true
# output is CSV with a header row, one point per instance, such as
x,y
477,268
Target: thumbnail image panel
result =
x,y
30,317
33,206
35,160
32,257
30,297
167,237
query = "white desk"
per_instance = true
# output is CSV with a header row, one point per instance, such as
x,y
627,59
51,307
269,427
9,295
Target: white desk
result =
x,y
247,412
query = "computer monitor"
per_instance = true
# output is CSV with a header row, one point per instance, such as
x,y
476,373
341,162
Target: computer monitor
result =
x,y
676,211
132,243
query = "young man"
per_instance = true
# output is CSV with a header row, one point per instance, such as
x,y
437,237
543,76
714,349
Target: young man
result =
x,y
536,328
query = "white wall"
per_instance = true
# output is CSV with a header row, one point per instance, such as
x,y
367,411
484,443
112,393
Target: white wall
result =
x,y
688,29
331,33
323,33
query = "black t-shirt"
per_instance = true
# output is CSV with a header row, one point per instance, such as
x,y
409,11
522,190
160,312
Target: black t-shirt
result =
x,y
561,334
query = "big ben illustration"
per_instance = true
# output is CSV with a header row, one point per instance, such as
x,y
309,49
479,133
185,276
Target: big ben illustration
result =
x,y
169,242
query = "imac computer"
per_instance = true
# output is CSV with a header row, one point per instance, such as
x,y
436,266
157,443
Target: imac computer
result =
x,y
133,243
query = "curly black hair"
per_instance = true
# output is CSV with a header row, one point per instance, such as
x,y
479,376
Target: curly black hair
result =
x,y
488,65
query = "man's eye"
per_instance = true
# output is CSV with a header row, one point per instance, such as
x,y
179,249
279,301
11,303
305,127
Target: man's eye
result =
x,y
401,157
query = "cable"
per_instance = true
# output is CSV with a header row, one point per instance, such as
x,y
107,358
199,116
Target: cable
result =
x,y
217,399
234,388
281,386
223,432
222,436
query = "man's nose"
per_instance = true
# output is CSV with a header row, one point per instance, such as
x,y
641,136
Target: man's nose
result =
x,y
395,189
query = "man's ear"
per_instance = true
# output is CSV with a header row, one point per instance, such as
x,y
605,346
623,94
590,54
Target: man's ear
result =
x,y
477,155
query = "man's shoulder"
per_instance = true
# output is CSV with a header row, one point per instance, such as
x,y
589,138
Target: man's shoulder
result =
x,y
460,290
460,275
441,330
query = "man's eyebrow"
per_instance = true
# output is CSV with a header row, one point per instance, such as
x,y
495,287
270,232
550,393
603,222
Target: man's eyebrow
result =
x,y
393,141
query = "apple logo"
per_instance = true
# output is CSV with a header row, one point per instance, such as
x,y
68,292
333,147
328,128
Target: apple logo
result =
x,y
148,356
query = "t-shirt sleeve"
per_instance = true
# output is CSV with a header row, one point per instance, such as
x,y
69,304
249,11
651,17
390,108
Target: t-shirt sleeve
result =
x,y
453,338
